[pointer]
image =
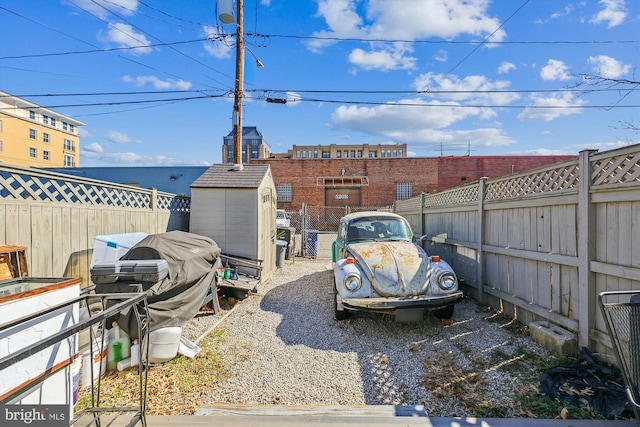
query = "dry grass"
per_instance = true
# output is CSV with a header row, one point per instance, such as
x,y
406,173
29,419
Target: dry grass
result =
x,y
173,388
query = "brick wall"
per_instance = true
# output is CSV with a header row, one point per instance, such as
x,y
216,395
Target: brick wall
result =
x,y
426,174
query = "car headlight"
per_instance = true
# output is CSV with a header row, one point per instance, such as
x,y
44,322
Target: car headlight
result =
x,y
352,282
447,281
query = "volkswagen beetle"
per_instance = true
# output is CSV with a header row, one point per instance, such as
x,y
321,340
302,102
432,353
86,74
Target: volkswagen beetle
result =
x,y
380,266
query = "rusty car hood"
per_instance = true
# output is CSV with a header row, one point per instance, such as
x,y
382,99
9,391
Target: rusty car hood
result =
x,y
393,268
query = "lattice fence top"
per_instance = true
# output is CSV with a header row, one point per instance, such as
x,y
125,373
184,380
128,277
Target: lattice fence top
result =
x,y
408,205
27,184
455,196
561,177
619,167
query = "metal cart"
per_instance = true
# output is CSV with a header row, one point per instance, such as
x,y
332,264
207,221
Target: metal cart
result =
x,y
621,311
110,305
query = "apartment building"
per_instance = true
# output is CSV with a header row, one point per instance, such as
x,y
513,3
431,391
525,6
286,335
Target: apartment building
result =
x,y
34,136
252,142
340,151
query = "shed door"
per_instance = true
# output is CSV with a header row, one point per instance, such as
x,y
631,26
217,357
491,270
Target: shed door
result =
x,y
268,240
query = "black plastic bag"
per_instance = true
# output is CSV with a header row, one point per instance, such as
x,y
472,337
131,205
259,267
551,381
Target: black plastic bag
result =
x,y
587,381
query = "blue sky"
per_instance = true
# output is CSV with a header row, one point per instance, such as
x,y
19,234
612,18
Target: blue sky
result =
x,y
447,78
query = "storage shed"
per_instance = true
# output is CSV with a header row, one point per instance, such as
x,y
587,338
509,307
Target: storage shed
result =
x,y
235,205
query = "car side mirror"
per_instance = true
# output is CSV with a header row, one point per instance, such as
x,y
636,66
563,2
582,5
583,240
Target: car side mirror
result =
x,y
423,238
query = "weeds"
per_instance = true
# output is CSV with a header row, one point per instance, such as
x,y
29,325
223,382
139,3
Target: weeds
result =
x,y
173,387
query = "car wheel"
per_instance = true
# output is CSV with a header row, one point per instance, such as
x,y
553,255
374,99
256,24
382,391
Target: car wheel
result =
x,y
339,314
445,312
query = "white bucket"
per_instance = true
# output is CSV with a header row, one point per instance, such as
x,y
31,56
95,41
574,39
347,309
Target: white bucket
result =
x,y
95,357
164,344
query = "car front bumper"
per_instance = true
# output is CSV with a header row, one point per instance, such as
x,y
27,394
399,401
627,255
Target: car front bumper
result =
x,y
398,303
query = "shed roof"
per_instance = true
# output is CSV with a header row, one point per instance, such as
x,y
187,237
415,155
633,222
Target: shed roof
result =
x,y
226,176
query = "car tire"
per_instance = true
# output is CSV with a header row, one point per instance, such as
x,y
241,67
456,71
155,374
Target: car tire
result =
x,y
339,314
445,312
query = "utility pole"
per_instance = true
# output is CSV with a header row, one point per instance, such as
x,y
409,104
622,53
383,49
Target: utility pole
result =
x,y
237,104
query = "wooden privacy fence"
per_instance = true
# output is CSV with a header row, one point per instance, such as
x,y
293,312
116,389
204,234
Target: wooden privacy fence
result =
x,y
57,217
542,245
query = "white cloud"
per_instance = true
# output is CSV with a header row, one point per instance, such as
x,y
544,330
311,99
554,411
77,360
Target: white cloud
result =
x,y
293,98
505,67
552,107
607,67
216,45
555,70
386,59
94,147
157,83
441,56
101,8
125,36
410,20
613,13
121,138
417,123
476,89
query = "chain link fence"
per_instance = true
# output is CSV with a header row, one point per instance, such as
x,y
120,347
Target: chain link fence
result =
x,y
318,226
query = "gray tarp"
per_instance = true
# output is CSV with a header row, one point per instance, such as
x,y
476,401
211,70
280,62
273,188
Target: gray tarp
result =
x,y
192,261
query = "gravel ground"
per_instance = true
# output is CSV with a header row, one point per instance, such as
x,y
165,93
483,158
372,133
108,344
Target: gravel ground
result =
x,y
286,348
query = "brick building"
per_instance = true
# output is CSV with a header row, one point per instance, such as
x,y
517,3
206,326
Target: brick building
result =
x,y
382,181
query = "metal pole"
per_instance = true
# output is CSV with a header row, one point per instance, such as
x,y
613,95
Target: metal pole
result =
x,y
237,105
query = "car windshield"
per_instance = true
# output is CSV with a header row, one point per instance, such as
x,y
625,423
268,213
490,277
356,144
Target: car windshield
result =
x,y
379,228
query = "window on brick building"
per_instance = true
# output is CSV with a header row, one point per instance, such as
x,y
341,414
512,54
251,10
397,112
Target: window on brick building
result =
x,y
338,154
326,155
403,190
285,192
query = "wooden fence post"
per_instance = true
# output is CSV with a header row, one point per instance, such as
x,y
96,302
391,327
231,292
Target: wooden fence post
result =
x,y
479,241
423,216
586,250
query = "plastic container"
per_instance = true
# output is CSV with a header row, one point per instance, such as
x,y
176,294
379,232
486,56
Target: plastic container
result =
x,y
281,250
147,270
164,344
76,366
135,353
119,347
110,247
124,364
312,242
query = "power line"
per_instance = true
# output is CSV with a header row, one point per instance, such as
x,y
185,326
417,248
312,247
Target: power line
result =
x,y
487,38
452,42
96,104
329,91
106,49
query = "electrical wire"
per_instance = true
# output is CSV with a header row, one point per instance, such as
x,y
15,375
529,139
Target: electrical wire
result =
x,y
451,42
